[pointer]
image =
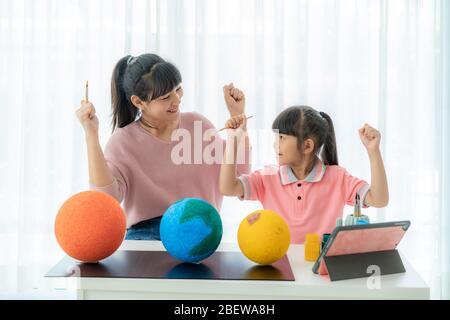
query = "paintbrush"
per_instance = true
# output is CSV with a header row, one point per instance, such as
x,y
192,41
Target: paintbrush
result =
x,y
231,128
86,92
86,96
357,212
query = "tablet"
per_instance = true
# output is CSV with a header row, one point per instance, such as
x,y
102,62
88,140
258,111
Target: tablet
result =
x,y
363,238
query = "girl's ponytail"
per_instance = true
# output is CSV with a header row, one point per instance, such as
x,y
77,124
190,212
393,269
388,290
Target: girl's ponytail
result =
x,y
329,152
123,111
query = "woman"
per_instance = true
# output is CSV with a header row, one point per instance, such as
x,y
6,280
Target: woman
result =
x,y
138,166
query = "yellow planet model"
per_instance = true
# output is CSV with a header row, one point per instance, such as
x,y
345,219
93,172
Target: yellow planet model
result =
x,y
264,237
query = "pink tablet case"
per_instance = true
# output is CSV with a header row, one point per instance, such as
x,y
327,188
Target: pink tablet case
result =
x,y
352,251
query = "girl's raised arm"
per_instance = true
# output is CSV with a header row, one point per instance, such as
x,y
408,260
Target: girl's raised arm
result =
x,y
229,184
378,195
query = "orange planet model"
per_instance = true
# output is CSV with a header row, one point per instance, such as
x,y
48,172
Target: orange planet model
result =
x,y
90,226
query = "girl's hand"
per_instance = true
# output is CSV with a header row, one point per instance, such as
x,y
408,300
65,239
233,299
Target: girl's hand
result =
x,y
237,125
370,138
86,116
235,100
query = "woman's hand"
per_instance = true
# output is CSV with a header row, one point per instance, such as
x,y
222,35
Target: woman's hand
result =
x,y
370,138
234,99
86,116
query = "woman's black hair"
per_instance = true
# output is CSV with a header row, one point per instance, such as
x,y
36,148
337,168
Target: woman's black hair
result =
x,y
147,76
304,122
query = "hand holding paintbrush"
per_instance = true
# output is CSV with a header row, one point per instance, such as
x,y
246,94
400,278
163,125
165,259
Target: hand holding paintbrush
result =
x,y
236,127
86,114
235,122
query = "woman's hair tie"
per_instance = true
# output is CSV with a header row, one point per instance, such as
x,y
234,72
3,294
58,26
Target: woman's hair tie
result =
x,y
131,59
322,114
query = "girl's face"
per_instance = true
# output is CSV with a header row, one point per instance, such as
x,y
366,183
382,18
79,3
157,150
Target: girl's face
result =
x,y
166,107
286,149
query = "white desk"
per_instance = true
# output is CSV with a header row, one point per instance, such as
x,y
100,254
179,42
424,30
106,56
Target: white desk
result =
x,y
307,285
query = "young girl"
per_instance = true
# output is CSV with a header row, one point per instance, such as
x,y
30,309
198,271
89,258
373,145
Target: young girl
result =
x,y
308,188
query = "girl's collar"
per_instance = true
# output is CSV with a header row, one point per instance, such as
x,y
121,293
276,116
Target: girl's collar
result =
x,y
287,176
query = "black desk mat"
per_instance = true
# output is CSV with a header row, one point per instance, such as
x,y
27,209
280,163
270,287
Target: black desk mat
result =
x,y
160,265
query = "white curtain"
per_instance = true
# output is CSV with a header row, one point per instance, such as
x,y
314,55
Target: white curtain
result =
x,y
384,62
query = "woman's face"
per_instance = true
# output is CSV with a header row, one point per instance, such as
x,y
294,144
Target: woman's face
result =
x,y
166,107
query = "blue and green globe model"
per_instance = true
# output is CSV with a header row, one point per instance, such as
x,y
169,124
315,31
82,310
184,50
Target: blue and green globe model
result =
x,y
191,230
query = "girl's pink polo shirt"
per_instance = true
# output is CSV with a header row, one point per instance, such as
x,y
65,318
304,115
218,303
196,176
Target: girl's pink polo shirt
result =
x,y
311,205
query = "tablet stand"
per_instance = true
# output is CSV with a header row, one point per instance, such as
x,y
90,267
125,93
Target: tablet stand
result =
x,y
360,265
